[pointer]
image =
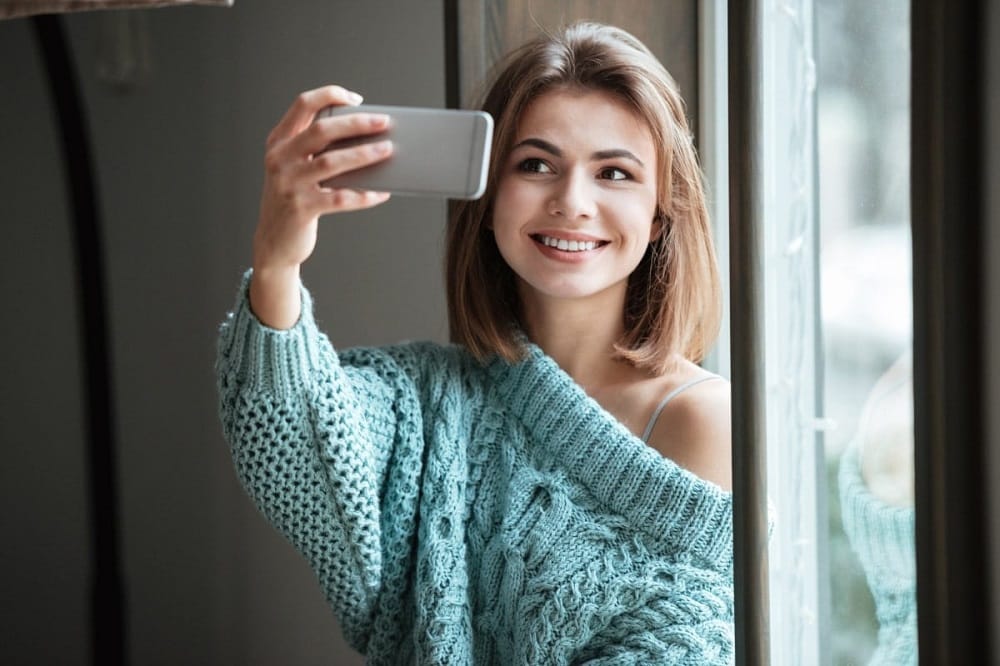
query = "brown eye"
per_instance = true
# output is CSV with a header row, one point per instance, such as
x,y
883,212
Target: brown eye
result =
x,y
614,173
534,165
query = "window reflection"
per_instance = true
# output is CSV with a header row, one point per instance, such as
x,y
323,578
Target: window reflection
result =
x,y
863,132
876,495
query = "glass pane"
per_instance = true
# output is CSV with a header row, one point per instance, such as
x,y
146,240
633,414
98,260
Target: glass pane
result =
x,y
838,331
863,113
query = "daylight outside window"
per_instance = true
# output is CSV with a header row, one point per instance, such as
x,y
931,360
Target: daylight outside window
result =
x,y
863,116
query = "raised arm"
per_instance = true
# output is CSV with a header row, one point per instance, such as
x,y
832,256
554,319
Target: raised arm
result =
x,y
311,435
292,200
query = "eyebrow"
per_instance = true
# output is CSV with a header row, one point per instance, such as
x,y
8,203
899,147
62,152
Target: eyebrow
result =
x,y
611,153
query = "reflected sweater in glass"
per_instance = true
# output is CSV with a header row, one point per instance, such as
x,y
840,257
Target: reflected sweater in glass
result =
x,y
884,539
461,513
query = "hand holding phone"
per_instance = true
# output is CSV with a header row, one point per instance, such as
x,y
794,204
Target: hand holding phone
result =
x,y
291,203
436,152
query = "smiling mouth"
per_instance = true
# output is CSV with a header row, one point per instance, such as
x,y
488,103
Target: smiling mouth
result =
x,y
568,245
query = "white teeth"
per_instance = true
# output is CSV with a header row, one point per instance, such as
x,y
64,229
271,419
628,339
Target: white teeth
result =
x,y
568,246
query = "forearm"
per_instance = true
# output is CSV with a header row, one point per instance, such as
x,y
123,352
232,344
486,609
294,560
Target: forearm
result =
x,y
295,163
307,438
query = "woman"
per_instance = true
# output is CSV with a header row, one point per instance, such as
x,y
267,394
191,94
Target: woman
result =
x,y
553,487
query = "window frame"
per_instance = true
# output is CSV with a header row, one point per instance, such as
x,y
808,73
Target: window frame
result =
x,y
949,230
955,616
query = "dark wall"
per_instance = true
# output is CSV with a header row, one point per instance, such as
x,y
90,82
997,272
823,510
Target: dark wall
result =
x,y
178,155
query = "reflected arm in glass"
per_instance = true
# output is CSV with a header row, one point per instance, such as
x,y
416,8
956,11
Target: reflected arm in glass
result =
x,y
876,492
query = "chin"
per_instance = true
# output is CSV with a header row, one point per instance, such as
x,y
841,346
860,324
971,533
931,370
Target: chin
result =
x,y
566,290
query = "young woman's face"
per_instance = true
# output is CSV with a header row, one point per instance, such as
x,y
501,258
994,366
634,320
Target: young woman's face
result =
x,y
577,196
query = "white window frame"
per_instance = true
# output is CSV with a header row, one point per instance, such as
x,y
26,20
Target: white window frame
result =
x,y
795,462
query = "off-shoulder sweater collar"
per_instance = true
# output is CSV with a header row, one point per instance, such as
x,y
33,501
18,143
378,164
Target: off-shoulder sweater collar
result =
x,y
678,511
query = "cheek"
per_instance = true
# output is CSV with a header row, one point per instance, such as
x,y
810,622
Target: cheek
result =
x,y
504,223
643,227
512,207
514,195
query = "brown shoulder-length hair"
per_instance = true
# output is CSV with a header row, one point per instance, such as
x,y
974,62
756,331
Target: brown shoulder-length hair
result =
x,y
673,304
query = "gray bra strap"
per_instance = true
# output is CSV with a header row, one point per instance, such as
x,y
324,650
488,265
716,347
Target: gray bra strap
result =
x,y
670,396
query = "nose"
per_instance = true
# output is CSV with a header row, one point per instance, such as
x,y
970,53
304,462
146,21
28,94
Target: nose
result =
x,y
573,197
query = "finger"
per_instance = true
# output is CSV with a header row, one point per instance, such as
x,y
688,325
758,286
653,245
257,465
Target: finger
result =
x,y
298,153
305,107
335,162
343,199
326,131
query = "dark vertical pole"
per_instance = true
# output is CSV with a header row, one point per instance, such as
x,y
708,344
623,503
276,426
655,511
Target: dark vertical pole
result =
x,y
948,134
452,77
747,333
107,603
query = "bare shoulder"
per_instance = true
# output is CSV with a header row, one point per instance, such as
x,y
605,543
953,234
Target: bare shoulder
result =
x,y
694,430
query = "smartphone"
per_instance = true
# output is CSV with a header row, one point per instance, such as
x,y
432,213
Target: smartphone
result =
x,y
436,152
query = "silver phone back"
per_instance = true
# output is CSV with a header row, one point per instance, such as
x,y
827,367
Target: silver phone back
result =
x,y
436,152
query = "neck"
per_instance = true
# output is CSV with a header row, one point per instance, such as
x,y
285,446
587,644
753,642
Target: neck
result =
x,y
579,334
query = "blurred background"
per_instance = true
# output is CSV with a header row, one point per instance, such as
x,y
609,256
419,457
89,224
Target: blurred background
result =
x,y
865,268
179,103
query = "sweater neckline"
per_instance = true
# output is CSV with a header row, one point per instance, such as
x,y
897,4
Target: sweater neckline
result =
x,y
679,511
882,534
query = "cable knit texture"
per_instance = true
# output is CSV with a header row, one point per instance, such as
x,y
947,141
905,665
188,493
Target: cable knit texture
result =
x,y
457,513
883,537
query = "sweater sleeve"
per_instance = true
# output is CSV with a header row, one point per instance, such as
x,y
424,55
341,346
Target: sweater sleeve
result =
x,y
310,439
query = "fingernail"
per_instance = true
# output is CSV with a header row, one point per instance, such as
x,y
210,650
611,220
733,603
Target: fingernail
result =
x,y
382,147
355,98
379,119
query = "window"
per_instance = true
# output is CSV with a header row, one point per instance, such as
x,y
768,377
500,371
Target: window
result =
x,y
835,245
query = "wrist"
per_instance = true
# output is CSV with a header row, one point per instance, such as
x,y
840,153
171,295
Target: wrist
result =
x,y
276,275
274,295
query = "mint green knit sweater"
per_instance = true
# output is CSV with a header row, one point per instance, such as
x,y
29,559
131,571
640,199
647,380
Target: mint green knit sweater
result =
x,y
457,513
884,539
